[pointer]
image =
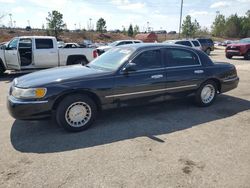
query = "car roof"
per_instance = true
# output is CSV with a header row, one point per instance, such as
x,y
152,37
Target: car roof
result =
x,y
152,45
42,37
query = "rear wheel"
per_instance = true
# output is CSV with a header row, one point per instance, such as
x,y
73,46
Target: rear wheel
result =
x,y
206,94
81,61
247,56
76,113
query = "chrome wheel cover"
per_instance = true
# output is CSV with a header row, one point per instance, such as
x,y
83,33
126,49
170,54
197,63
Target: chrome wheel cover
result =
x,y
78,114
208,93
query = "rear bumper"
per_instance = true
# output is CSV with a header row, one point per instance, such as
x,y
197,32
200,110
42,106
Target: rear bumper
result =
x,y
229,84
28,110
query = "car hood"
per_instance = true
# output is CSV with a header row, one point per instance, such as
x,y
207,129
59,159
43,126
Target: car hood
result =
x,y
238,44
58,75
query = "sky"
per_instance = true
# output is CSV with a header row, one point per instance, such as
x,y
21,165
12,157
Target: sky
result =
x,y
158,14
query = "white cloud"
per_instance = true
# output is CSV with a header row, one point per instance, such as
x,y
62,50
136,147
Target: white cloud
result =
x,y
197,13
7,1
18,10
127,5
220,4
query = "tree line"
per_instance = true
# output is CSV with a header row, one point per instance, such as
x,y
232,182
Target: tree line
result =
x,y
233,26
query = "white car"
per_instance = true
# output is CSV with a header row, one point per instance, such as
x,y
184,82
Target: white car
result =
x,y
36,52
187,42
103,49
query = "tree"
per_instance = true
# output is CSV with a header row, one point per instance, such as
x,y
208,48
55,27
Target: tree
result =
x,y
245,25
101,25
189,28
233,26
55,23
218,26
130,30
136,29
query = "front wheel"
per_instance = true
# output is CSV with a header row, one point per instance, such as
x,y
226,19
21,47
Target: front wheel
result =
x,y
208,51
229,56
206,94
76,113
247,56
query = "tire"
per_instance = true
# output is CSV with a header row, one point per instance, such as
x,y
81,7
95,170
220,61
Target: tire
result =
x,y
2,68
208,51
202,99
76,113
80,61
229,56
247,56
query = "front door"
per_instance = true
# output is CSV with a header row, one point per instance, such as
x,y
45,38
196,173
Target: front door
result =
x,y
12,55
144,83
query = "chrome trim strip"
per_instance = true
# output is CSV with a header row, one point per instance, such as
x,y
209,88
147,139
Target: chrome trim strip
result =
x,y
150,91
231,79
16,101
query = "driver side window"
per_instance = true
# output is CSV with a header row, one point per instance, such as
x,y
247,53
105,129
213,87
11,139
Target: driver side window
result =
x,y
150,59
13,44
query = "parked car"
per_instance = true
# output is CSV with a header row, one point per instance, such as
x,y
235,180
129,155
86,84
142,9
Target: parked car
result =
x,y
186,42
36,52
125,75
227,42
206,44
60,44
102,49
72,45
242,48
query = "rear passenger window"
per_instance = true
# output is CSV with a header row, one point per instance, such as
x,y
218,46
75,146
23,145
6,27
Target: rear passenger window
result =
x,y
150,59
137,42
180,57
44,43
195,43
185,43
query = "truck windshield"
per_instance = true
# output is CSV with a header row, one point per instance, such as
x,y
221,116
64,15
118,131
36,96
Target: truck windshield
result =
x,y
112,59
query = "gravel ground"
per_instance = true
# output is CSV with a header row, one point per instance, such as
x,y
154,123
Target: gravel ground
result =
x,y
172,144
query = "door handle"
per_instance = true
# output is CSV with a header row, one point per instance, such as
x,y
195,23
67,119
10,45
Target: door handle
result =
x,y
199,71
52,52
156,76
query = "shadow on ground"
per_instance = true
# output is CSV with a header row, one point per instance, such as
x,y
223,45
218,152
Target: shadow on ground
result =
x,y
121,124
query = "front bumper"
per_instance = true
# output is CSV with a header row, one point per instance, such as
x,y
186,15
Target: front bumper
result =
x,y
229,84
233,53
28,110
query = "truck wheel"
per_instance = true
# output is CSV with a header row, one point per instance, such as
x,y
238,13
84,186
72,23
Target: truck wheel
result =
x,y
81,61
206,94
247,56
76,113
208,51
229,56
2,68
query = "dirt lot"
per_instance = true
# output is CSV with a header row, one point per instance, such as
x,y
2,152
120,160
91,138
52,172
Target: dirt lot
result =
x,y
174,144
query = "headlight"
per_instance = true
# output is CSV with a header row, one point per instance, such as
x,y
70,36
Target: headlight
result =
x,y
31,93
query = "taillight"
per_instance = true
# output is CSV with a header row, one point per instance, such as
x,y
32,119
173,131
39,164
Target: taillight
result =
x,y
95,54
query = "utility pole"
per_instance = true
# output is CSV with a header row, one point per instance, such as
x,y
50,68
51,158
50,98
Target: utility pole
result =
x,y
10,15
180,19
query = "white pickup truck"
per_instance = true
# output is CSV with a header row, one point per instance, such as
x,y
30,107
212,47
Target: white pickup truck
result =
x,y
38,52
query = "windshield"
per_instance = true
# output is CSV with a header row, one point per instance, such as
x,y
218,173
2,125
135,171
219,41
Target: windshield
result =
x,y
247,40
112,59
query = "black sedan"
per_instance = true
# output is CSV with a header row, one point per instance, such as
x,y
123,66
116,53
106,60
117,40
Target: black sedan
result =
x,y
125,75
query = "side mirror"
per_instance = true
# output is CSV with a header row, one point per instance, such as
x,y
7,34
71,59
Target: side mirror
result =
x,y
3,47
130,67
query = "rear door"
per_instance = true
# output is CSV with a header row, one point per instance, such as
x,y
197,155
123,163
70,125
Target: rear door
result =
x,y
184,70
147,82
45,53
12,55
